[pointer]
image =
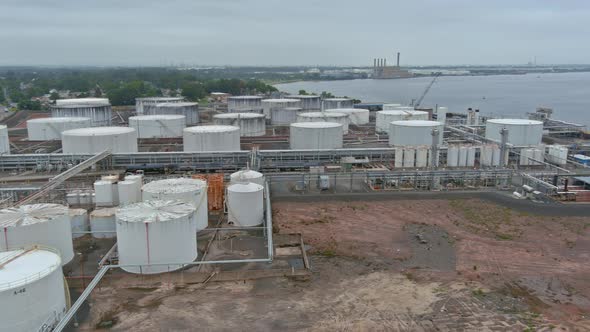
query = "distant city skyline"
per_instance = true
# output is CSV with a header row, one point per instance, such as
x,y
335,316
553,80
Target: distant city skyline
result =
x,y
304,33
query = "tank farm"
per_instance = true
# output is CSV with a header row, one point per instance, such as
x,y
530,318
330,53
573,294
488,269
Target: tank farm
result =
x,y
292,213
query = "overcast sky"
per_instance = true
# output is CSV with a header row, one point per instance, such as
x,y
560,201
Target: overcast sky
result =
x,y
302,32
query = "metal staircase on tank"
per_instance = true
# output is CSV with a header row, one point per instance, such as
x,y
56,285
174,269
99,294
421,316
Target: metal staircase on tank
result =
x,y
62,177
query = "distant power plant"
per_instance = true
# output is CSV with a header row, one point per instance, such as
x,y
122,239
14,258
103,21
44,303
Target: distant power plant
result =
x,y
382,71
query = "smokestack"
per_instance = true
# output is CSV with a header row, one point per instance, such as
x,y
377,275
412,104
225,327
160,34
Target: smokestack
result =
x,y
374,62
384,62
398,59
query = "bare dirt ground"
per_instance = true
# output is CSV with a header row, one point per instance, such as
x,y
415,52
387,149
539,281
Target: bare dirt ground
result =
x,y
398,265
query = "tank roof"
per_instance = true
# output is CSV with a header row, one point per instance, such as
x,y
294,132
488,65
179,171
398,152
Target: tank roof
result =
x,y
105,212
402,112
392,104
157,117
239,115
82,101
247,174
154,211
211,129
24,266
304,96
31,214
77,212
98,131
316,125
176,185
337,99
347,110
245,187
323,115
179,104
518,122
280,100
416,123
82,105
58,119
245,97
159,98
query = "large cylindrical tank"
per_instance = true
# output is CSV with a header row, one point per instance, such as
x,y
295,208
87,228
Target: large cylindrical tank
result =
x,y
4,140
32,293
245,204
413,132
211,138
384,118
247,176
315,135
156,232
190,110
356,116
97,109
284,116
45,129
156,126
79,222
520,132
309,102
141,104
241,104
341,118
334,103
98,139
102,223
270,106
192,191
45,224
251,124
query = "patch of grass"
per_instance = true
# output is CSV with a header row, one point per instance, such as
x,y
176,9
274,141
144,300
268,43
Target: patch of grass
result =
x,y
478,292
505,237
327,253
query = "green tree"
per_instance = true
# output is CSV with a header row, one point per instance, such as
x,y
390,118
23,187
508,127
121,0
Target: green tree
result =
x,y
193,91
29,105
303,92
54,96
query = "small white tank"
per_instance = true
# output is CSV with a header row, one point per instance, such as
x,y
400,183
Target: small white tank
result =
x,y
45,224
384,118
390,106
155,232
104,191
192,191
245,204
142,104
399,157
102,223
496,156
129,192
79,222
422,156
98,139
453,156
45,129
137,179
190,110
284,116
4,140
341,118
334,103
356,116
315,136
409,157
32,294
211,138
486,155
557,154
463,156
247,176
539,156
158,126
441,114
251,124
413,132
470,156
271,105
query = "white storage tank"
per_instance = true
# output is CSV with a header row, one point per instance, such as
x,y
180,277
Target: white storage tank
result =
x,y
245,204
390,106
413,132
470,156
32,292
334,103
4,140
486,155
315,135
104,192
422,156
272,106
463,150
102,223
409,157
192,191
251,124
441,114
98,139
211,138
141,104
129,192
156,232
399,157
247,176
284,116
356,116
97,109
520,132
557,154
137,179
156,126
384,118
190,110
45,129
240,104
309,102
539,156
341,118
79,222
453,156
44,224
525,155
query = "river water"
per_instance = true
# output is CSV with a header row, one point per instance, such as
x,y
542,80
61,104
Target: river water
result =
x,y
502,95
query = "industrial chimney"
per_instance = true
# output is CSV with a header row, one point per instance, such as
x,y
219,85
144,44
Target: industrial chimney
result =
x,y
398,59
384,62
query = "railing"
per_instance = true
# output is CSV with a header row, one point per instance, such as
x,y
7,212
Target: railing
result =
x,y
34,277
